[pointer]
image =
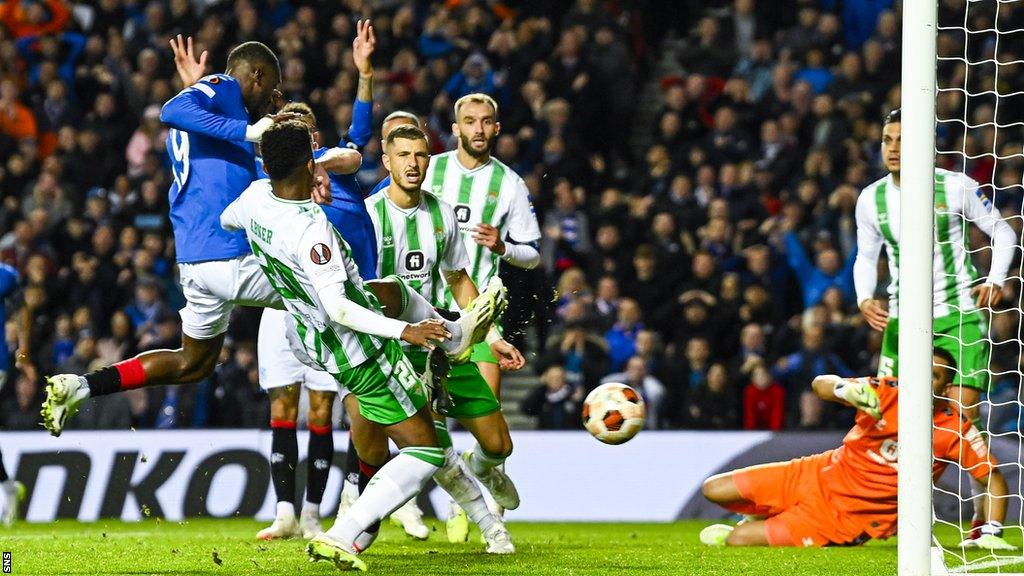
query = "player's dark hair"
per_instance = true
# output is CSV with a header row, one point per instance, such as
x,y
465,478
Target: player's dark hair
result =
x,y
286,147
405,132
947,358
893,116
256,53
303,110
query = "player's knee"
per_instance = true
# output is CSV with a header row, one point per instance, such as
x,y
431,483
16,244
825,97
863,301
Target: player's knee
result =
x,y
194,367
320,408
714,487
284,403
376,454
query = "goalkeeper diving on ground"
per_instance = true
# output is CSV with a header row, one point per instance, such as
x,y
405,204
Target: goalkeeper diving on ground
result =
x,y
847,496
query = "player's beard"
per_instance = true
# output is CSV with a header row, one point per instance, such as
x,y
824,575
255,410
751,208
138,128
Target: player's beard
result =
x,y
467,145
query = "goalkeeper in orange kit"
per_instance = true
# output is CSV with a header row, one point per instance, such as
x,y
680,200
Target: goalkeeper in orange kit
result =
x,y
847,496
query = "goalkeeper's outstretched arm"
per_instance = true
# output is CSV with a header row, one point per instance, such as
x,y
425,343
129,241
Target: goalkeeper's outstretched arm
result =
x,y
856,392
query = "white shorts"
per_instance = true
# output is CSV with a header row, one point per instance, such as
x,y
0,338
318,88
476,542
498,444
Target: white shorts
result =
x,y
212,289
278,363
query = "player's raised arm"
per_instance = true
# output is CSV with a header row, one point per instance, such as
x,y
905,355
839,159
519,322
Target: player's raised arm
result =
x,y
340,160
195,110
978,209
856,392
361,129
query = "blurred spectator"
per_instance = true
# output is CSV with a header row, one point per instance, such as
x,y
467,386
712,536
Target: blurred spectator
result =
x,y
21,412
554,403
826,271
799,369
653,391
763,401
621,337
566,240
712,406
582,354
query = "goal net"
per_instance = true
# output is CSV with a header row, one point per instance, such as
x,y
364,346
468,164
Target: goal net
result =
x,y
978,120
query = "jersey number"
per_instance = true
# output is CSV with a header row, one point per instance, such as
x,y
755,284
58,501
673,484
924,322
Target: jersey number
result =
x,y
281,277
179,153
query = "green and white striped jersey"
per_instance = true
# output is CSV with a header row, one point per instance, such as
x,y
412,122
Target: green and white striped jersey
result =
x,y
493,194
958,202
303,256
417,244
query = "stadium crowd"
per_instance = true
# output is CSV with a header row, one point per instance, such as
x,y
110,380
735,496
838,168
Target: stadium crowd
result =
x,y
694,166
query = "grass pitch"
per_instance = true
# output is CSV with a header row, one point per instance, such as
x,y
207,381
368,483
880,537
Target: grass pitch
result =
x,y
223,547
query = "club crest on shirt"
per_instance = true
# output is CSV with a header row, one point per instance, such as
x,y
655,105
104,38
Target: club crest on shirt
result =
x,y
320,254
388,242
462,213
492,196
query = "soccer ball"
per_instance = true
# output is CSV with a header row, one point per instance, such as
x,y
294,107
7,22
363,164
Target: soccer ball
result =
x,y
613,413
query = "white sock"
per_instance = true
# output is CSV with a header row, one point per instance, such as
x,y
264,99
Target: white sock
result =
x,y
400,479
480,462
463,490
285,511
311,509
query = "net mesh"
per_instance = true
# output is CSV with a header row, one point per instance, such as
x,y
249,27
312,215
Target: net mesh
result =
x,y
980,123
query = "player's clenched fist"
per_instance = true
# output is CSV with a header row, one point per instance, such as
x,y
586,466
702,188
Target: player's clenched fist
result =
x,y
425,333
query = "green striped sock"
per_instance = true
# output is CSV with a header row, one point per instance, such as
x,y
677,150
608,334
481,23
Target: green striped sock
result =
x,y
444,439
430,454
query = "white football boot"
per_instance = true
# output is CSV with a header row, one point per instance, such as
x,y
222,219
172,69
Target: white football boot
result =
x,y
64,395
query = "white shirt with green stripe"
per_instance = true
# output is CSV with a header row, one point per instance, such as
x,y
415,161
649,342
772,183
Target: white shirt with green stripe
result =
x,y
304,258
417,244
490,194
959,201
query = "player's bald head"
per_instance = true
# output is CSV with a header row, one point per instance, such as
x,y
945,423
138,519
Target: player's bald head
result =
x,y
287,148
396,119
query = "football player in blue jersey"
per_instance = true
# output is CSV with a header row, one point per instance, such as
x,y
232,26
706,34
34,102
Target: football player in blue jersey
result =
x,y
214,124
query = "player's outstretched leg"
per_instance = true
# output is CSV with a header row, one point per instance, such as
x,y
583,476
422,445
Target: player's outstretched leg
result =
x,y
399,480
284,456
408,517
471,327
468,500
192,362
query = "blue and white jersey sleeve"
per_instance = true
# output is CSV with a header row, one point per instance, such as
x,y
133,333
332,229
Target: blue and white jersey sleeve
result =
x,y
208,107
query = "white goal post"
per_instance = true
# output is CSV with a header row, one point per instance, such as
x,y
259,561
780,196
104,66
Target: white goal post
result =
x,y
917,177
919,552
